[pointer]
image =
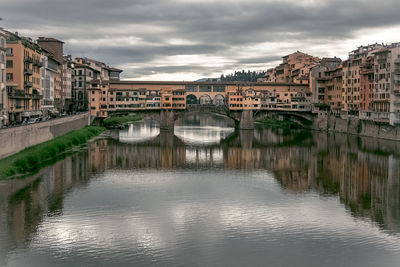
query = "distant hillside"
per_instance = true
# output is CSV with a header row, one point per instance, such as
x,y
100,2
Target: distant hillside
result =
x,y
249,76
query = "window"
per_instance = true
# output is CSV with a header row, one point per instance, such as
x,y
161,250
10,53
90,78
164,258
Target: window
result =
x,y
80,84
205,88
92,99
191,88
9,51
219,88
9,64
9,77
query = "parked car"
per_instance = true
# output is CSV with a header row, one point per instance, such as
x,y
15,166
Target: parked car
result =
x,y
33,120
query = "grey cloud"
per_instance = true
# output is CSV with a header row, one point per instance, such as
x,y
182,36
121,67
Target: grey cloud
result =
x,y
216,28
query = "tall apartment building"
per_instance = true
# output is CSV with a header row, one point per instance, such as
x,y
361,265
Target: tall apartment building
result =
x,y
87,70
3,92
68,74
49,71
23,78
55,48
386,92
322,78
295,68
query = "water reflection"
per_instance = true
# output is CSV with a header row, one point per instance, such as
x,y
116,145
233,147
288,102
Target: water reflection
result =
x,y
250,198
202,135
139,132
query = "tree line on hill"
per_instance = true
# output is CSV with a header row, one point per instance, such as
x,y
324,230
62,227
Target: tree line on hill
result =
x,y
246,76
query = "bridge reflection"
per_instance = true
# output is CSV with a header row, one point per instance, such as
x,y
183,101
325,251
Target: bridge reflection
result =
x,y
364,173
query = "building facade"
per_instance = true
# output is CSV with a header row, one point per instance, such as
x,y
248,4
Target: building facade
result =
x,y
87,70
385,96
107,97
68,74
49,71
23,78
55,50
3,92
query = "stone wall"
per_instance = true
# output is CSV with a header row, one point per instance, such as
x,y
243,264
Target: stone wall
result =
x,y
15,139
356,126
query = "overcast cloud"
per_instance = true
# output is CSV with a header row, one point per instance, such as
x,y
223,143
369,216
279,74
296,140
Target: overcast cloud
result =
x,y
191,39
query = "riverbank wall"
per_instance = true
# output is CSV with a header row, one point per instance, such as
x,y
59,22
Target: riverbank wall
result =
x,y
356,126
15,139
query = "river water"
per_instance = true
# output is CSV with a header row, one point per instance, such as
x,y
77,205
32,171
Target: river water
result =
x,y
207,195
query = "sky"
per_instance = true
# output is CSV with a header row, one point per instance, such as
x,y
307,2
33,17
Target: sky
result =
x,y
193,39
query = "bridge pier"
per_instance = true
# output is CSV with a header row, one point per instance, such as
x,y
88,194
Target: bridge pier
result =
x,y
167,120
246,120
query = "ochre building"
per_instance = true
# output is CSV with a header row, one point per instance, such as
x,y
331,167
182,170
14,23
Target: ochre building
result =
x,y
107,97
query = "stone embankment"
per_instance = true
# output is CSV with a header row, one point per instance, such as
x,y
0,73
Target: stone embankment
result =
x,y
15,139
357,127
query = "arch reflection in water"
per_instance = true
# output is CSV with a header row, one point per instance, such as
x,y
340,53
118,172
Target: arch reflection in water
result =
x,y
138,133
205,135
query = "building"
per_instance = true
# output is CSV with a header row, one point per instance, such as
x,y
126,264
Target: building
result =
x,y
106,97
49,71
55,48
319,81
87,70
386,92
23,78
3,92
295,68
68,73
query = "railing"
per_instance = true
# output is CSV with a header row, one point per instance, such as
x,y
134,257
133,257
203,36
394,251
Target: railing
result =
x,y
28,59
17,94
28,71
28,84
38,63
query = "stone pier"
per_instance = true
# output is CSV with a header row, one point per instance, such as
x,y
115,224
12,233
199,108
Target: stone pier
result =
x,y
167,119
246,120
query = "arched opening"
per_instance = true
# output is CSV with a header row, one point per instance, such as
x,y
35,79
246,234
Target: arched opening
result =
x,y
205,100
191,100
219,100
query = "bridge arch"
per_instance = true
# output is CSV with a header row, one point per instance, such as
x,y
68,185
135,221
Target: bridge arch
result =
x,y
219,100
205,100
191,100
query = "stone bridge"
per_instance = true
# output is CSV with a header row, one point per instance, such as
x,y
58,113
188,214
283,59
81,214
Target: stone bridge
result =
x,y
244,119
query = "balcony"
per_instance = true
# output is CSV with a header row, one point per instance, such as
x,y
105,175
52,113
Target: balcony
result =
x,y
36,96
28,84
38,63
20,94
28,59
28,71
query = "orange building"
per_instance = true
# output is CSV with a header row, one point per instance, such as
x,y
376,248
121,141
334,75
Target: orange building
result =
x,y
295,68
124,96
23,75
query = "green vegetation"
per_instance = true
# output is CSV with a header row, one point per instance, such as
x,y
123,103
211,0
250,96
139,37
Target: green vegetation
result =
x,y
118,122
32,159
273,123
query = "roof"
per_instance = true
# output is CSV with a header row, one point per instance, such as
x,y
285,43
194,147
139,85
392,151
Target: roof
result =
x,y
113,69
49,39
78,65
